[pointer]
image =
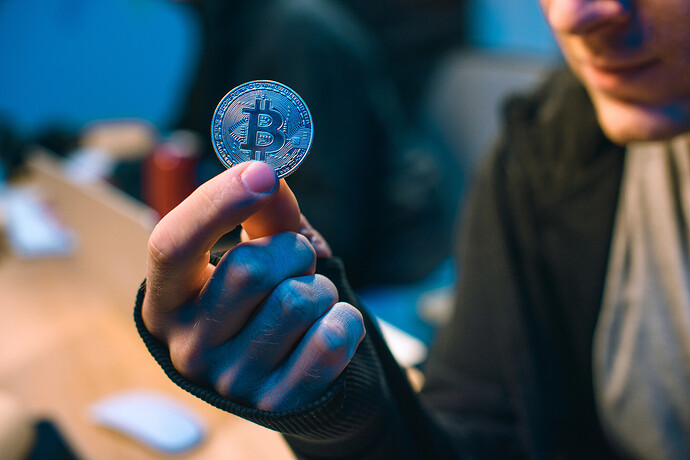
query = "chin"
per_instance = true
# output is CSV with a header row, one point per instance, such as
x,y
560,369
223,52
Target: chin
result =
x,y
625,133
624,122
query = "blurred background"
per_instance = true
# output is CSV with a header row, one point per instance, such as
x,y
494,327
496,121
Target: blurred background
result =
x,y
105,111
69,62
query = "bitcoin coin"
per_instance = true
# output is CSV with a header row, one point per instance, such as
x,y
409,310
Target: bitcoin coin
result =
x,y
262,120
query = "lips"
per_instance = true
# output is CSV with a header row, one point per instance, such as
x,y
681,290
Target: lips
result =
x,y
618,65
619,75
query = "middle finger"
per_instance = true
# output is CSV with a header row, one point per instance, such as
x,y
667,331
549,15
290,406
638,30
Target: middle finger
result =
x,y
284,318
243,279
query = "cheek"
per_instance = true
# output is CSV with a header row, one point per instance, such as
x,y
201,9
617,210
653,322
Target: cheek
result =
x,y
674,50
671,22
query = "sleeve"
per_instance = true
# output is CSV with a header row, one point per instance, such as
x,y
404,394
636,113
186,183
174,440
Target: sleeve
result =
x,y
480,359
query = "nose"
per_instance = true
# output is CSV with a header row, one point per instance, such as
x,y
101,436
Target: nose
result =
x,y
580,17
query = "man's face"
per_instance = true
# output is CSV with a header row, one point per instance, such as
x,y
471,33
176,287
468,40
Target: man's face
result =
x,y
633,56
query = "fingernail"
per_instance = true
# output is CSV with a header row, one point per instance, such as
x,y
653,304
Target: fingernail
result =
x,y
259,177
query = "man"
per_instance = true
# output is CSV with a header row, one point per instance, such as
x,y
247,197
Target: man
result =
x,y
571,334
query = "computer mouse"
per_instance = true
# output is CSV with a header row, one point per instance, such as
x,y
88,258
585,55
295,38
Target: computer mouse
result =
x,y
153,419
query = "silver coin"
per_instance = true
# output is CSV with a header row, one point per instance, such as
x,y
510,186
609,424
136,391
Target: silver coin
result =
x,y
262,120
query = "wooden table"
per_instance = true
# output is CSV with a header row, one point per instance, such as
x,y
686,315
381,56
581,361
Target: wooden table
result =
x,y
67,337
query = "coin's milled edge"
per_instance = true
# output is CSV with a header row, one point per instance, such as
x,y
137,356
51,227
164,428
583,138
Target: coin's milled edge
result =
x,y
221,108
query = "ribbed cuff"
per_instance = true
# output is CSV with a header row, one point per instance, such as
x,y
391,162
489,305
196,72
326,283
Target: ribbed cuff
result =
x,y
348,409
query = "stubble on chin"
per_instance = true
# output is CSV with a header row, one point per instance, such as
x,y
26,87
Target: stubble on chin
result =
x,y
625,122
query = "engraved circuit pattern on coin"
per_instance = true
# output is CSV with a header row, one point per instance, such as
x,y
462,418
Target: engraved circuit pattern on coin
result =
x,y
262,120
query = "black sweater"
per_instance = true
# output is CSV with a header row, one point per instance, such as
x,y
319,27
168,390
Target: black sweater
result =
x,y
510,376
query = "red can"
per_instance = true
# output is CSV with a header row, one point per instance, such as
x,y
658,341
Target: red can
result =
x,y
170,171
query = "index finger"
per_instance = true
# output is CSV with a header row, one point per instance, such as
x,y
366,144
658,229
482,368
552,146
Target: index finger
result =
x,y
178,250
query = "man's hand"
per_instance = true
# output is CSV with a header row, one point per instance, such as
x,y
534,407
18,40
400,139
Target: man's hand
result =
x,y
261,328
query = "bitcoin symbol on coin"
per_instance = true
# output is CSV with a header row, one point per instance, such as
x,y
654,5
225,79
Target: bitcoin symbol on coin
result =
x,y
262,133
262,120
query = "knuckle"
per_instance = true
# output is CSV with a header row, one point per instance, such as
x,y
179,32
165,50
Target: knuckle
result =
x,y
237,384
332,337
271,396
161,248
306,298
326,288
212,200
296,300
268,403
304,243
309,249
263,264
190,359
297,252
314,373
248,266
226,383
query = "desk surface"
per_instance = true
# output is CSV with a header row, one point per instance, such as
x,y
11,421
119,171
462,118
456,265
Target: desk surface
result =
x,y
68,339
